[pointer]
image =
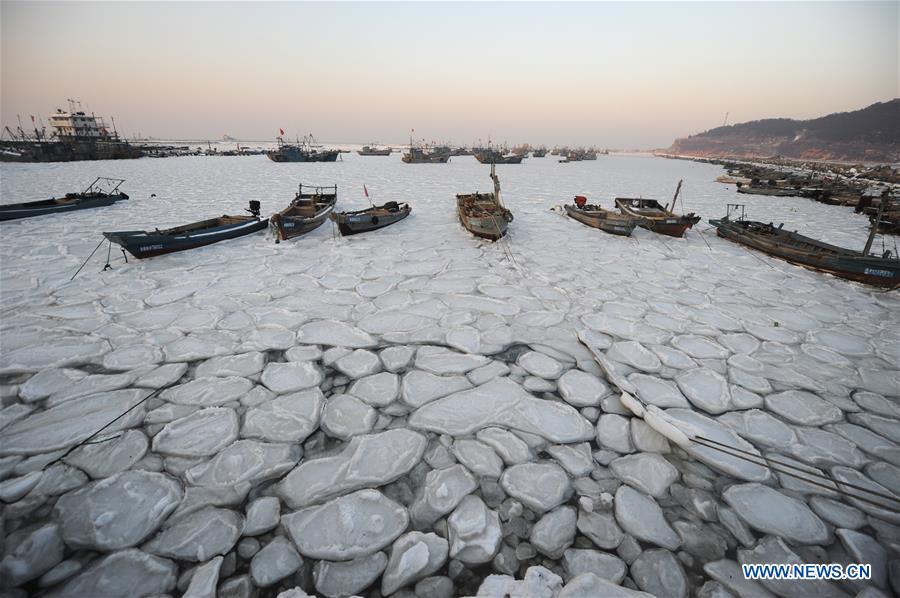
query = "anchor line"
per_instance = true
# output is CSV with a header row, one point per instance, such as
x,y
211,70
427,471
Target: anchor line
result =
x,y
817,479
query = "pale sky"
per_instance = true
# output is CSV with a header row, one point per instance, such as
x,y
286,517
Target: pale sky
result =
x,y
621,75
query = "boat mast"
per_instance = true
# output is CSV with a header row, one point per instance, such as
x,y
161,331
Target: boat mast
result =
x,y
677,190
876,223
496,180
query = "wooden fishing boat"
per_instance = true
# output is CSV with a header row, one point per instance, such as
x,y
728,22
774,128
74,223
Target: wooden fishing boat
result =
x,y
597,217
772,190
308,210
143,244
656,217
363,221
102,192
305,150
374,151
881,271
482,214
490,156
416,155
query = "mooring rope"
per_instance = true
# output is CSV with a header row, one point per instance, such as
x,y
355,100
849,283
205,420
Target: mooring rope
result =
x,y
87,260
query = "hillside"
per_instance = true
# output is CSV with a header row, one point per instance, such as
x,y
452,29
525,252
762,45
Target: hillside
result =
x,y
871,135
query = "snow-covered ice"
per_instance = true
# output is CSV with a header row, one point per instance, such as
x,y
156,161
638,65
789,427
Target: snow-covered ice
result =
x,y
492,387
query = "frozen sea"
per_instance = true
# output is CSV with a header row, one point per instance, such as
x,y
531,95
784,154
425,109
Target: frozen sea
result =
x,y
417,412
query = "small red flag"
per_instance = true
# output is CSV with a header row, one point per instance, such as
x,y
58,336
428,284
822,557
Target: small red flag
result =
x,y
366,191
282,131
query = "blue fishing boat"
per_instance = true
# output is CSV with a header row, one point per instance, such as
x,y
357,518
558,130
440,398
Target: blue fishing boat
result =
x,y
143,244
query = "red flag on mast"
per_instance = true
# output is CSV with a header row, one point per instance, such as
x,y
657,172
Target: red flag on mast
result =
x,y
282,131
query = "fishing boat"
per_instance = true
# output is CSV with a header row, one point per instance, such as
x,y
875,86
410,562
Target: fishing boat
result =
x,y
597,217
305,150
422,155
539,152
308,210
143,244
102,192
373,218
861,266
656,217
755,188
417,155
483,214
369,150
491,156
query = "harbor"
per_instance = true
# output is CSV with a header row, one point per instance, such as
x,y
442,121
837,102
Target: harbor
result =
x,y
323,300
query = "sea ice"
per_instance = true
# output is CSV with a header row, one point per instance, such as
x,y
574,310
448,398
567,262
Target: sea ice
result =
x,y
119,573
640,516
334,333
706,389
512,449
581,389
413,556
60,353
207,392
478,457
377,390
657,391
772,512
365,462
648,472
206,533
200,434
245,461
359,363
539,486
473,531
576,561
274,562
540,365
803,408
659,573
442,492
243,365
72,422
345,416
441,361
613,431
291,376
502,402
92,517
352,526
554,532
286,418
348,578
110,457
635,355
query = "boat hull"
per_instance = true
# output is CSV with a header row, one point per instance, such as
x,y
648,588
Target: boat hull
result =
x,y
608,222
796,249
286,227
145,244
353,223
49,206
298,155
649,214
482,217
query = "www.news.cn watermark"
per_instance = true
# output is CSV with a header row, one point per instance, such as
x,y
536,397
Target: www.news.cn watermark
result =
x,y
805,571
